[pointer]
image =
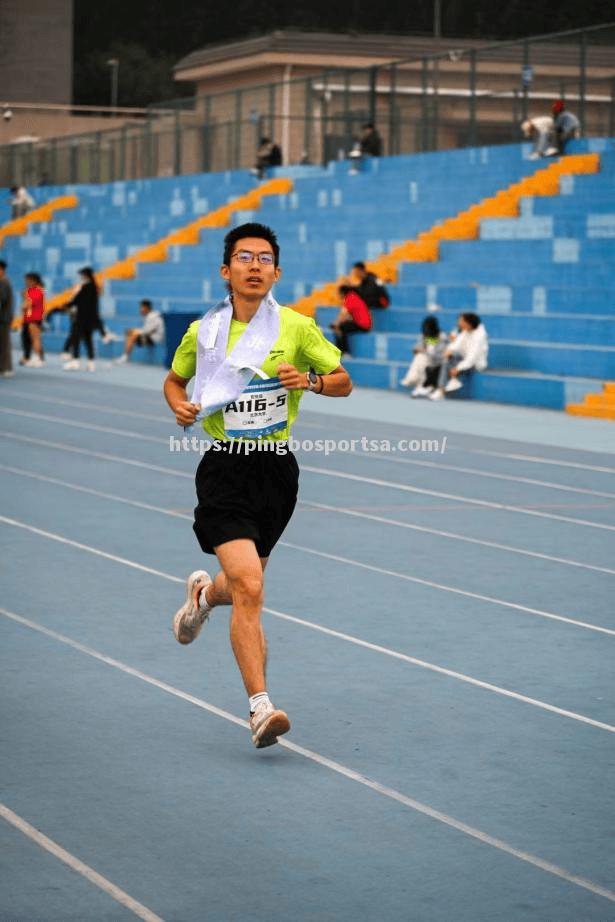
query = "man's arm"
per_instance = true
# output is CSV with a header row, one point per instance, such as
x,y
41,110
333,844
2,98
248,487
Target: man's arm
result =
x,y
177,398
336,383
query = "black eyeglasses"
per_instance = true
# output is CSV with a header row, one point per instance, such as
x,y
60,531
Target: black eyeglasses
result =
x,y
246,257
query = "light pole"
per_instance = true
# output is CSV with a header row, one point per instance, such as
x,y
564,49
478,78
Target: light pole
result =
x,y
114,64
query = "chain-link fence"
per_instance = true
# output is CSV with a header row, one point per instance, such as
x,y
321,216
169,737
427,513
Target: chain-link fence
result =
x,y
465,95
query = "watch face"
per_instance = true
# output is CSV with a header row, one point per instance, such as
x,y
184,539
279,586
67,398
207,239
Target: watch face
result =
x,y
312,377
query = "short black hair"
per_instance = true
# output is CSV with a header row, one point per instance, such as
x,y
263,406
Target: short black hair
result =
x,y
345,289
359,265
88,272
430,327
250,230
145,302
2,264
472,319
35,278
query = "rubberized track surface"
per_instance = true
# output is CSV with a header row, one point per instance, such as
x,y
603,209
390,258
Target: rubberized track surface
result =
x,y
441,631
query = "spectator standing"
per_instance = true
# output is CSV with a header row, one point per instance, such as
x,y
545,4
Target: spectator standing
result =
x,y
424,370
540,130
268,154
369,287
467,353
354,317
86,320
150,334
6,318
33,309
566,125
21,202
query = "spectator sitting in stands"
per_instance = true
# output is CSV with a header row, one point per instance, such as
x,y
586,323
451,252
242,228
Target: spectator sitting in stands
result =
x,y
268,154
424,369
369,287
354,317
21,202
466,354
540,130
566,125
150,334
369,144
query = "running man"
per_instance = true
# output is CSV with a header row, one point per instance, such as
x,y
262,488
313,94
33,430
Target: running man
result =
x,y
252,361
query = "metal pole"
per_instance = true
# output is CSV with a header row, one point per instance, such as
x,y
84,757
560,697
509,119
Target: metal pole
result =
x,y
472,138
526,64
582,79
114,64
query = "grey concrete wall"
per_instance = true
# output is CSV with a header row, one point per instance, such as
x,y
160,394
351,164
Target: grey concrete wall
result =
x,y
36,50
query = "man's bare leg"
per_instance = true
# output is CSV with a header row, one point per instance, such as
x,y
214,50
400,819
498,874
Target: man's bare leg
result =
x,y
243,570
218,593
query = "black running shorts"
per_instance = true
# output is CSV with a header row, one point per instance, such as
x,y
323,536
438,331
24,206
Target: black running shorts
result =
x,y
244,496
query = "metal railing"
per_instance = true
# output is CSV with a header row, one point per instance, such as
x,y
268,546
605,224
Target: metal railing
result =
x,y
467,95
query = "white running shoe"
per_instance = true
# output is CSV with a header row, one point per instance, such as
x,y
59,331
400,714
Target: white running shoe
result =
x,y
453,385
73,365
121,360
35,362
65,356
266,724
190,618
110,337
421,391
91,366
436,395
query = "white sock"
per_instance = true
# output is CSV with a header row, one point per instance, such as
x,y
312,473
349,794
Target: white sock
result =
x,y
203,603
258,698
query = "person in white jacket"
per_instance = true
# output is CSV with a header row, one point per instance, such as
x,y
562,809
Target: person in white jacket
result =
x,y
540,130
467,353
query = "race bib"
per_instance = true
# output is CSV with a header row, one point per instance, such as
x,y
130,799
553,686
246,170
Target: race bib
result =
x,y
260,410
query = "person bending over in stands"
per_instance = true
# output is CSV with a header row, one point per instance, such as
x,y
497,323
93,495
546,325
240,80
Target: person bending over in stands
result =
x,y
354,317
540,130
150,334
467,353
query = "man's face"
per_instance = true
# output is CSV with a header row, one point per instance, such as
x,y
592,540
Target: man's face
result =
x,y
144,310
250,278
463,325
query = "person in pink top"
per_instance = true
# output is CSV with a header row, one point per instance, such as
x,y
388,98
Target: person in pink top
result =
x,y
354,317
33,308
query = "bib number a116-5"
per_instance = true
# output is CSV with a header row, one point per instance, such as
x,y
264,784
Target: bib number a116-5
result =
x,y
260,410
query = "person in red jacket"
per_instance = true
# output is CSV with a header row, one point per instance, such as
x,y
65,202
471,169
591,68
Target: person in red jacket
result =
x,y
33,308
354,317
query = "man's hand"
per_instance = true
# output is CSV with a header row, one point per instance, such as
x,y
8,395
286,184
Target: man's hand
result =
x,y
185,412
290,378
454,373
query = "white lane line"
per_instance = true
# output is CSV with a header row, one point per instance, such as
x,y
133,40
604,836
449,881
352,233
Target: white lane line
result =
x,y
370,456
537,459
415,579
93,407
444,588
90,453
125,433
339,421
342,510
119,895
332,765
324,506
394,485
485,504
423,664
474,471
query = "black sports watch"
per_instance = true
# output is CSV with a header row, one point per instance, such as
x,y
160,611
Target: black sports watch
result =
x,y
312,381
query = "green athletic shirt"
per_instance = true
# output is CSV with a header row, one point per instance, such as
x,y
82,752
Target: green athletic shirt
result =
x,y
300,343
